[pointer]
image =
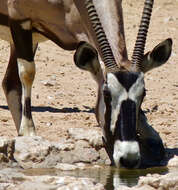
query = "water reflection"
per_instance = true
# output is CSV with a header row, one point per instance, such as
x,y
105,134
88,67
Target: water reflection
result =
x,y
111,177
129,178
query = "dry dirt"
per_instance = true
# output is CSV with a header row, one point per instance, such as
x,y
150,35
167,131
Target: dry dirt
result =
x,y
64,96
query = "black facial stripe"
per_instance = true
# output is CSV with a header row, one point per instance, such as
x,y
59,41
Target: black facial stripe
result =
x,y
3,20
107,100
127,79
108,134
126,123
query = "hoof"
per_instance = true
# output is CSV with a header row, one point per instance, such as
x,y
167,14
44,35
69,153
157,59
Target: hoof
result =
x,y
27,131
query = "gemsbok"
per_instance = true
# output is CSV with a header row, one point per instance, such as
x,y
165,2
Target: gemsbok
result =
x,y
76,24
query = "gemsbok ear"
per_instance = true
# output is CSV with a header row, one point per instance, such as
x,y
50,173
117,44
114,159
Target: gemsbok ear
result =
x,y
158,56
86,58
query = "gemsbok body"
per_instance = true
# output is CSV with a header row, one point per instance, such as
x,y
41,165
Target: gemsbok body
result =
x,y
86,25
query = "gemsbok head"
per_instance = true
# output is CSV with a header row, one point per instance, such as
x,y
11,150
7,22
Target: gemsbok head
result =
x,y
121,90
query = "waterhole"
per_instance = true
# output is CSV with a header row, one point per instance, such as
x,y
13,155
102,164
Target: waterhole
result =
x,y
110,177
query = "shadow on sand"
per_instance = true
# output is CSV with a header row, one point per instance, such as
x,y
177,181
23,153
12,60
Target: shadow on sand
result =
x,y
56,110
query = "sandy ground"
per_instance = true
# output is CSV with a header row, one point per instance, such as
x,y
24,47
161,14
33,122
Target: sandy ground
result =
x,y
64,96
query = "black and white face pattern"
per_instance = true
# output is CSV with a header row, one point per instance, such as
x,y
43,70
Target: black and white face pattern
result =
x,y
123,93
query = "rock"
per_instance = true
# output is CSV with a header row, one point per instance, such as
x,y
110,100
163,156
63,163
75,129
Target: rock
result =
x,y
40,152
49,124
169,19
104,158
36,185
94,137
6,149
31,152
13,179
66,167
156,181
65,145
144,187
48,83
86,155
44,154
81,165
173,162
9,177
3,158
81,144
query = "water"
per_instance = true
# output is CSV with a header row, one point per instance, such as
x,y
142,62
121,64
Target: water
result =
x,y
124,177
110,177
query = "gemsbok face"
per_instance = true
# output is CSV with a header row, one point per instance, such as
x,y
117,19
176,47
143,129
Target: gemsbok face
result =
x,y
123,93
121,90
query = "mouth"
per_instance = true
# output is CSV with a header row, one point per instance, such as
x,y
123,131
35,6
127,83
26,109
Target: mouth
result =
x,y
127,154
130,164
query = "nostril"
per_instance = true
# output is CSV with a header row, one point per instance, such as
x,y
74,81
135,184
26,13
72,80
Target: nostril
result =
x,y
127,163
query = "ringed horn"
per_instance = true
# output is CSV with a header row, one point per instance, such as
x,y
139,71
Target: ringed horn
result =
x,y
138,52
103,43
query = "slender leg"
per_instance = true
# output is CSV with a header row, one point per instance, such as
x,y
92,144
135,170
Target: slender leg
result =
x,y
13,89
22,38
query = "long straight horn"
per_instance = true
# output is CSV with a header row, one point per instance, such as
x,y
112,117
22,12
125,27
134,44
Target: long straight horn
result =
x,y
138,52
103,43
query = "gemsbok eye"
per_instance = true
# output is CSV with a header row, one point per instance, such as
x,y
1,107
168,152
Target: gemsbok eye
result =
x,y
106,92
107,95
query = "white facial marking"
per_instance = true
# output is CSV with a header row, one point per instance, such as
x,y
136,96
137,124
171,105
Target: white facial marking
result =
x,y
126,149
118,94
137,88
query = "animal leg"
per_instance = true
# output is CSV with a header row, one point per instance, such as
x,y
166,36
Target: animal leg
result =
x,y
22,37
13,89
